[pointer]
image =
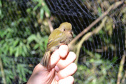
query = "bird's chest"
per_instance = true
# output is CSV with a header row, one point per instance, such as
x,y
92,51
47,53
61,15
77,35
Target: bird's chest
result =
x,y
68,38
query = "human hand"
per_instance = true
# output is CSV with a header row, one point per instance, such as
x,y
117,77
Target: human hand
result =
x,y
61,69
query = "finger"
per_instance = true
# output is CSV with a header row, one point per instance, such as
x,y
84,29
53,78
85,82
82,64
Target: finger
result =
x,y
62,63
54,58
68,71
63,50
67,80
37,68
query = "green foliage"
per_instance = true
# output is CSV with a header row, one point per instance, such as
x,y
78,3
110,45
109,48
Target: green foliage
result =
x,y
41,42
18,39
123,12
14,70
109,26
95,71
99,11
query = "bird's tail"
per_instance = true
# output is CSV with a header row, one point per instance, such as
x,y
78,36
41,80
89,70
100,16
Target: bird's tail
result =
x,y
45,59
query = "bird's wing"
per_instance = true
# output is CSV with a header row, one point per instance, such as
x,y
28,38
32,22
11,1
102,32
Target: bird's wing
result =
x,y
55,39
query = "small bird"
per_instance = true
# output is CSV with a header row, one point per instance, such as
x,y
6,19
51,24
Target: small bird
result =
x,y
61,35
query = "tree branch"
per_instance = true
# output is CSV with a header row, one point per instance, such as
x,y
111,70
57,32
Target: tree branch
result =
x,y
124,78
50,25
112,7
121,68
88,35
2,71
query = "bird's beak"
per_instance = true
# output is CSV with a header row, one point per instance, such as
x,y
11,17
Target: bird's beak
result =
x,y
71,32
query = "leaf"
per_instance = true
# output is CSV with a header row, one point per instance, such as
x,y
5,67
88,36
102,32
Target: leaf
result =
x,y
45,7
3,33
99,11
41,13
31,38
15,42
35,8
109,26
11,50
28,10
25,49
17,52
5,48
36,46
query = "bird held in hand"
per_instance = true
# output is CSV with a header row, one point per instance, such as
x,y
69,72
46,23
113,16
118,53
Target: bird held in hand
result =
x,y
61,35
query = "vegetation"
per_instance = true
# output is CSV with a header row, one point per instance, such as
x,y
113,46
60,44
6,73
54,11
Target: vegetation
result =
x,y
24,31
20,38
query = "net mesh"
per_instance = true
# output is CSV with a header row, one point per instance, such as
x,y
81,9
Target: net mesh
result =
x,y
22,21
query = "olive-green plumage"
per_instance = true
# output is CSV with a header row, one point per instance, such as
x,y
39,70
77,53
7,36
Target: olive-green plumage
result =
x,y
61,35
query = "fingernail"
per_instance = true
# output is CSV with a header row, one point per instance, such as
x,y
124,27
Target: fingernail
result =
x,y
57,78
56,68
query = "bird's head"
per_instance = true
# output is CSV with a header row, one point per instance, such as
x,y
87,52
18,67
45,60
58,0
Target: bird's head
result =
x,y
65,27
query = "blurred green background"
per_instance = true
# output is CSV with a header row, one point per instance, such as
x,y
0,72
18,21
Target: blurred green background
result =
x,y
24,31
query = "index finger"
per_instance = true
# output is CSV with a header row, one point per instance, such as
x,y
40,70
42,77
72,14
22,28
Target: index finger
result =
x,y
63,51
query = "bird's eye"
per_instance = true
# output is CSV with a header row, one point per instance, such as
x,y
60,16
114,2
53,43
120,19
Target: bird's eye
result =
x,y
63,29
